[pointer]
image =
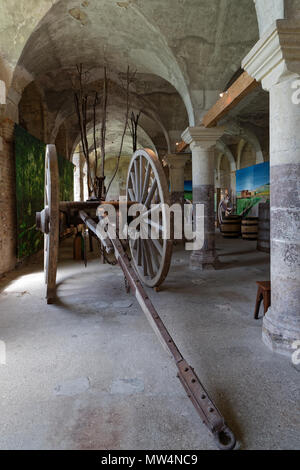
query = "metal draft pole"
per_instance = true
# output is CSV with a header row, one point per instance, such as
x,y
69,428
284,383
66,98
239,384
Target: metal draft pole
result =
x,y
203,404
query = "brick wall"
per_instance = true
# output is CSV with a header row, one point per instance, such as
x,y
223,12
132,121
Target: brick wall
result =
x,y
7,198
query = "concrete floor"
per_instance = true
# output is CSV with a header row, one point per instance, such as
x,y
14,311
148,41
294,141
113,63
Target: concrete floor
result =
x,y
89,373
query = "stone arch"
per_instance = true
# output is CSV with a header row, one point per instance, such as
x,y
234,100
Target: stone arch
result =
x,y
224,151
246,133
158,58
76,140
240,149
61,141
248,156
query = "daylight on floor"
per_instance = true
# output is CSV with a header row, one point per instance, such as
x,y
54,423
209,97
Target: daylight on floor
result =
x,y
150,227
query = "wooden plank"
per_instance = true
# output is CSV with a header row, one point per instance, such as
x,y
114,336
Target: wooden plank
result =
x,y
238,90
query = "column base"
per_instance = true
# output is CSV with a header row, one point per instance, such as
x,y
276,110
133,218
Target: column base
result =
x,y
279,336
177,197
204,260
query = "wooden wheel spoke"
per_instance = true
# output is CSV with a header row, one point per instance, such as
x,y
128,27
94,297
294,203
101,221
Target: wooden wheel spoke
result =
x,y
136,176
156,259
141,179
144,259
134,186
151,194
157,197
152,210
139,252
156,226
134,244
131,194
147,251
157,246
146,183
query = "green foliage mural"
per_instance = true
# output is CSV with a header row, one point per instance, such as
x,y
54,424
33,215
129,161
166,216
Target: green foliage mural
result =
x,y
30,175
244,206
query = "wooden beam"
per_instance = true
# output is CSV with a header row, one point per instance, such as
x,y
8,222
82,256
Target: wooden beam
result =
x,y
238,90
181,147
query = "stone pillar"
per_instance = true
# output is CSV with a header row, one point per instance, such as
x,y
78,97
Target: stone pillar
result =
x,y
79,177
202,142
176,163
275,61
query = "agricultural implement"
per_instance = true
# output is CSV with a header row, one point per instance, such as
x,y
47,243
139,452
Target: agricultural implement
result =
x,y
148,263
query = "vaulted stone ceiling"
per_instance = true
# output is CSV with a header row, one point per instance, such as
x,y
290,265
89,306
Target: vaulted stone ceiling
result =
x,y
184,51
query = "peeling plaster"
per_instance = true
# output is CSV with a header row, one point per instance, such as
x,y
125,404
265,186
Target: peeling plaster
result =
x,y
79,15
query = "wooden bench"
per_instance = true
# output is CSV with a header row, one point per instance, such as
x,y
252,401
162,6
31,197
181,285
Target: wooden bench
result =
x,y
263,293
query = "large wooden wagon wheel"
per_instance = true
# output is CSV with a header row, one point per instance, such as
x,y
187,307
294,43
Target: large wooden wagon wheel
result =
x,y
48,221
147,185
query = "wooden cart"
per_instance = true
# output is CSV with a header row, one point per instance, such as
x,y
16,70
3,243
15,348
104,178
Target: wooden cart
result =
x,y
149,263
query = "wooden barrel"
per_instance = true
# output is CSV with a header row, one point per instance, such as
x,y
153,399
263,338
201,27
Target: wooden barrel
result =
x,y
231,226
250,228
263,241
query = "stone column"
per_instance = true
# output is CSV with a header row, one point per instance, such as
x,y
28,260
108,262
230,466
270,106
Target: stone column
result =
x,y
202,142
176,163
79,176
275,61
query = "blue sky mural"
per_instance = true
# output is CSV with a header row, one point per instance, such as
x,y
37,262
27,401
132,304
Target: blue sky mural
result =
x,y
253,177
188,186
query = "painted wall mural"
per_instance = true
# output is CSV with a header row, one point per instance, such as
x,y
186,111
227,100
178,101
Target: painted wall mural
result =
x,y
188,190
252,187
30,174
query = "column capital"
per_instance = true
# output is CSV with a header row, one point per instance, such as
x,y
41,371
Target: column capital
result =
x,y
203,137
276,56
177,160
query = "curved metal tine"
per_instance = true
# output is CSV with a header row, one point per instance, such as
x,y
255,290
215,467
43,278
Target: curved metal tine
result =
x,y
151,194
146,183
136,174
